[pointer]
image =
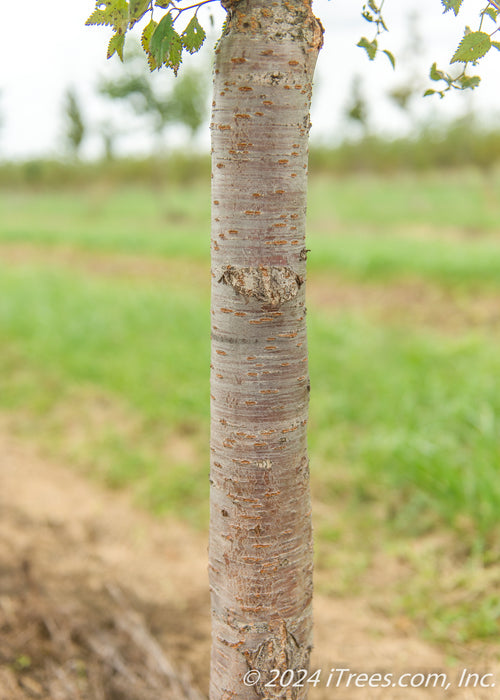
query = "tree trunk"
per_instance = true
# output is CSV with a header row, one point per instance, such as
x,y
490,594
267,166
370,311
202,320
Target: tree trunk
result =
x,y
260,537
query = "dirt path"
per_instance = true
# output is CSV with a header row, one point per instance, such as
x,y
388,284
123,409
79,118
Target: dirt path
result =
x,y
100,601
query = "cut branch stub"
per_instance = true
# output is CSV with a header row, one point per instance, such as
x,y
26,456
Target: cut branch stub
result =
x,y
272,285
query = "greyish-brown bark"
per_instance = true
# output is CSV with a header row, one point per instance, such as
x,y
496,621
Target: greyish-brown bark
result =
x,y
260,542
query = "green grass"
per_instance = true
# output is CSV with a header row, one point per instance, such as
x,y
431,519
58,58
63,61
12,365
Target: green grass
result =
x,y
416,415
412,410
111,372
146,344
416,411
465,202
434,227
72,346
171,223
440,228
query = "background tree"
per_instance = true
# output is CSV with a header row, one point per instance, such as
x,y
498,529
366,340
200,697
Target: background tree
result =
x,y
356,110
404,94
109,135
75,125
176,102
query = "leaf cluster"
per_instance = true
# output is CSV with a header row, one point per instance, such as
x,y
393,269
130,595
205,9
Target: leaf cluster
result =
x,y
473,47
372,13
161,41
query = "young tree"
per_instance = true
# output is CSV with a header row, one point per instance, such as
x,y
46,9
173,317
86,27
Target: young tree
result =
x,y
75,125
260,530
260,541
356,110
184,101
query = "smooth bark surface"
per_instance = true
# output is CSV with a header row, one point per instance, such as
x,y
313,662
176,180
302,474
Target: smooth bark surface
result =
x,y
260,542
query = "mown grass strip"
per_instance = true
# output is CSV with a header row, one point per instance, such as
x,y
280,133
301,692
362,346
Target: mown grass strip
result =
x,y
145,342
128,220
363,228
384,257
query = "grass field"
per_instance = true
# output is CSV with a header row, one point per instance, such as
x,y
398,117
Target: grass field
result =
x,y
104,345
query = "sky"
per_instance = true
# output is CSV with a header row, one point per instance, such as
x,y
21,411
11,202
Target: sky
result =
x,y
45,48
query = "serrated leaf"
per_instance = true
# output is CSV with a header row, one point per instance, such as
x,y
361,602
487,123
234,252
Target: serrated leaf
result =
x,y
145,40
137,10
165,45
369,46
114,14
117,13
162,3
452,5
161,39
391,58
147,33
174,57
97,17
491,12
473,46
193,36
116,44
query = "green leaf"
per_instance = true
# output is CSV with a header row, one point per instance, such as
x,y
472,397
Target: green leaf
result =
x,y
369,46
381,23
165,44
491,12
473,46
161,39
162,3
496,44
436,74
145,41
391,58
97,17
429,92
116,45
469,81
115,14
137,10
174,57
193,36
452,5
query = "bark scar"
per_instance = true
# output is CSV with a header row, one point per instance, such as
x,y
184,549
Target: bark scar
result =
x,y
272,285
280,651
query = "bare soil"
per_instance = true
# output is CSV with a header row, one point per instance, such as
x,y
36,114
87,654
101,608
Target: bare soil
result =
x,y
408,301
102,601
